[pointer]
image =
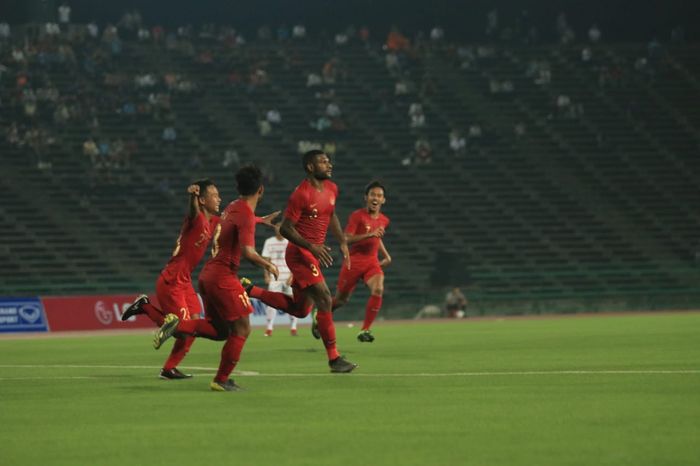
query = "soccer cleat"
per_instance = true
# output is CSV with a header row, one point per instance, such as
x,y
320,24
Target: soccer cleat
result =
x,y
341,365
268,333
365,336
135,307
314,325
247,284
173,374
228,386
293,332
166,330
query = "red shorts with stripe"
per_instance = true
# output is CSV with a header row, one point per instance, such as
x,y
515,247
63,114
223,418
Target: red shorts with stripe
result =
x,y
360,269
305,268
224,297
178,298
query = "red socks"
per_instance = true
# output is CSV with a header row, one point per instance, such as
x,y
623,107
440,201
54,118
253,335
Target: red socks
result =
x,y
327,330
374,303
230,354
199,328
153,313
180,349
292,306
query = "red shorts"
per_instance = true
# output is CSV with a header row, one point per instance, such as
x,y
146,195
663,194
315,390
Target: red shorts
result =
x,y
224,297
178,298
305,268
359,269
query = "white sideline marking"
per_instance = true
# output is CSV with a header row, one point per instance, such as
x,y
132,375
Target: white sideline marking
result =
x,y
327,374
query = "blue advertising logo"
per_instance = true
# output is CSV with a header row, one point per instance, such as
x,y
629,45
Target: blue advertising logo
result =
x,y
22,315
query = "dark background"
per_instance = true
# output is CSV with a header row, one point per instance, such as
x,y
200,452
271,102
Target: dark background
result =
x,y
621,20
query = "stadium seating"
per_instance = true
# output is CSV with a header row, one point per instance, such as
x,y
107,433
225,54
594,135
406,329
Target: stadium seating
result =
x,y
599,205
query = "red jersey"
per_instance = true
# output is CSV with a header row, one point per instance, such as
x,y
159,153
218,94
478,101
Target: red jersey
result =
x,y
236,229
311,210
361,222
191,245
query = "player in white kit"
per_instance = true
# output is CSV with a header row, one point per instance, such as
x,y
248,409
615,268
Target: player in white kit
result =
x,y
274,250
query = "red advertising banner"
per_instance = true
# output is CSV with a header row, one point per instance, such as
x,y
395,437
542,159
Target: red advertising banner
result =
x,y
98,312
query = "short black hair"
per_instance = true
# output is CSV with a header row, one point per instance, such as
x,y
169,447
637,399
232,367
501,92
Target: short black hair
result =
x,y
203,184
375,184
310,157
248,180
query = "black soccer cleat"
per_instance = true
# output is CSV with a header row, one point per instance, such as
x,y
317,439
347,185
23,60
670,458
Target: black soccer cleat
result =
x,y
166,330
173,374
365,336
135,307
228,386
341,365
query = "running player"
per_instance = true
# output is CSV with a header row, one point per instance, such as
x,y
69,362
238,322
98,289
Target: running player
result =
x,y
174,285
273,250
364,232
226,302
310,211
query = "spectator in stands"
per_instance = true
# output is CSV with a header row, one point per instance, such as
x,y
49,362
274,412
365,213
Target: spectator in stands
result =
x,y
474,134
64,13
329,72
231,159
423,152
416,115
455,303
5,31
341,39
283,33
322,123
299,31
391,60
586,55
594,34
313,80
457,143
93,30
519,130
437,34
403,86
264,127
169,134
333,110
273,116
396,41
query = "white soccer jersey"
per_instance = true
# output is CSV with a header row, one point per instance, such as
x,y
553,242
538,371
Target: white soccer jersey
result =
x,y
274,249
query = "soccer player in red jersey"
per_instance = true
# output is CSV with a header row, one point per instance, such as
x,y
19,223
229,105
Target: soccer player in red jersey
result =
x,y
174,285
310,212
225,300
364,232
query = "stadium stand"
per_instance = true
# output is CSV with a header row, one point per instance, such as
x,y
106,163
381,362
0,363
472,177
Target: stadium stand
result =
x,y
594,198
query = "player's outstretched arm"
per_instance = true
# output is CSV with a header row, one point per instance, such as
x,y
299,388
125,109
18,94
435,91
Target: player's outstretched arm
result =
x,y
193,189
268,219
252,255
386,260
320,251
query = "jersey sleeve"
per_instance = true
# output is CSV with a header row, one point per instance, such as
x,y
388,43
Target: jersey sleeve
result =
x,y
294,206
353,221
246,231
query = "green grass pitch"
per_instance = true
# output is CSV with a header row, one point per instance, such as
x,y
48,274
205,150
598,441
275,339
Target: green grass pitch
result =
x,y
609,390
